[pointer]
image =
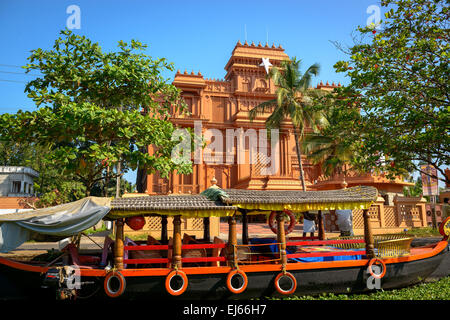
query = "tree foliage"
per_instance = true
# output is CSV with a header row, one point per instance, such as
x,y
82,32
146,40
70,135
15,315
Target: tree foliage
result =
x,y
53,186
98,109
84,139
292,102
329,145
400,85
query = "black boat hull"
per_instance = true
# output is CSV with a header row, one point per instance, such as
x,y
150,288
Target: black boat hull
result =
x,y
23,284
309,282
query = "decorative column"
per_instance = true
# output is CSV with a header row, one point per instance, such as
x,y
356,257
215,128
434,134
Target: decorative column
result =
x,y
244,227
281,238
232,242
176,255
206,229
368,236
118,245
164,229
321,226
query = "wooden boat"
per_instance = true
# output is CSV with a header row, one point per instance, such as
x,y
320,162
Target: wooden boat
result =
x,y
180,267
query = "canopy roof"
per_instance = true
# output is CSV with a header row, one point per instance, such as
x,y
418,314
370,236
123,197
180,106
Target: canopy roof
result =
x,y
60,221
197,205
217,202
360,197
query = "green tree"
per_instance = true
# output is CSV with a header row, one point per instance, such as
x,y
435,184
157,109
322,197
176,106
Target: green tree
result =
x,y
77,70
414,191
293,102
84,139
53,186
399,80
329,146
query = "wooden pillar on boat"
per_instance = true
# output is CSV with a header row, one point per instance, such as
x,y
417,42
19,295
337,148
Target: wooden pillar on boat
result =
x,y
176,256
321,226
368,236
164,229
244,228
118,245
206,229
232,241
281,237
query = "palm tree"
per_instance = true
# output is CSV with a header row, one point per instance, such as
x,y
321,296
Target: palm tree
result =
x,y
293,101
329,147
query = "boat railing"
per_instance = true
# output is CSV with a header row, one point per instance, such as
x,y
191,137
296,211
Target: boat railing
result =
x,y
385,245
161,254
252,253
200,254
270,252
393,247
325,248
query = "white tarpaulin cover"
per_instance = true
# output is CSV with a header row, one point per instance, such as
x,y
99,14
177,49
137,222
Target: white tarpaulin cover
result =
x,y
64,220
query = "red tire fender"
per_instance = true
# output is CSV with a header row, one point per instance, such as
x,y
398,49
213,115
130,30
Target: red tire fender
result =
x,y
444,228
291,277
273,222
377,276
172,291
233,273
111,292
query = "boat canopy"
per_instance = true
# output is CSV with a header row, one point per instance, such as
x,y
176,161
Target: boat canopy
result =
x,y
197,205
72,218
360,197
226,202
60,221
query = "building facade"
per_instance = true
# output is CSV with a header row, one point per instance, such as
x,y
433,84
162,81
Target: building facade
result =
x,y
219,109
16,186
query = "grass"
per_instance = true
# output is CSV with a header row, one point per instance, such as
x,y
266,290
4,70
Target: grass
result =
x,y
437,290
424,232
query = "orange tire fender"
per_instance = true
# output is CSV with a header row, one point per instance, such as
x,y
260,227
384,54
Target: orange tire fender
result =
x,y
291,278
109,290
377,276
289,228
237,273
175,291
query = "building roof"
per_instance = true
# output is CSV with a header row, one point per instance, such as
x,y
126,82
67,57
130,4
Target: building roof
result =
x,y
18,169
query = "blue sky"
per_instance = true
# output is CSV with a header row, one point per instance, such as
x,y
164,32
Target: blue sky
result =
x,y
194,35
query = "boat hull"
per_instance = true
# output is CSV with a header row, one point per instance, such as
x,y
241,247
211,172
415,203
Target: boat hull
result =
x,y
261,284
210,283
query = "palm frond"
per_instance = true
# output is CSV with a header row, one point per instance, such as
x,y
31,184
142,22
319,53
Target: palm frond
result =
x,y
276,118
261,108
305,81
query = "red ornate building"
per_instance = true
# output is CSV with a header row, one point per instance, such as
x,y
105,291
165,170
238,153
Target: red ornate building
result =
x,y
221,107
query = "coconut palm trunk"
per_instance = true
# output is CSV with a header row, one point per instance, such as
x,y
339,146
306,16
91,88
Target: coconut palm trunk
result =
x,y
292,102
299,158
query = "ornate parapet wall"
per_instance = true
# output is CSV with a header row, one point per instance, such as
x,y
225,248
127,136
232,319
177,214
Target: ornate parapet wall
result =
x,y
406,213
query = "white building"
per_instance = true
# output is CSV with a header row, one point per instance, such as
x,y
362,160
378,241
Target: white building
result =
x,y
16,184
17,181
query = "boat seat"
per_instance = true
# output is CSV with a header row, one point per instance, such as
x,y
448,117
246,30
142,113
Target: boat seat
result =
x,y
127,242
107,244
147,254
152,241
187,239
192,253
243,253
217,252
81,261
170,252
